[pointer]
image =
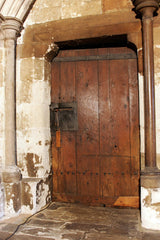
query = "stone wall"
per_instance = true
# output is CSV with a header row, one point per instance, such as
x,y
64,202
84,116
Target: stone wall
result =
x,y
33,89
33,131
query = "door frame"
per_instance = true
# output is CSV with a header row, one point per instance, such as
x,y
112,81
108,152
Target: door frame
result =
x,y
114,41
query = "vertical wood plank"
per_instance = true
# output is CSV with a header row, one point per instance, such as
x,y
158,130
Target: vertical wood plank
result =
x,y
69,161
68,82
134,126
68,157
105,117
119,107
87,96
55,85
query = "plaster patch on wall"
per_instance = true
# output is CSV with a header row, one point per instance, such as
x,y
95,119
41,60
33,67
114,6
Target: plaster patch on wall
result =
x,y
35,194
33,117
150,209
33,162
28,146
155,197
12,200
43,90
43,193
147,198
27,197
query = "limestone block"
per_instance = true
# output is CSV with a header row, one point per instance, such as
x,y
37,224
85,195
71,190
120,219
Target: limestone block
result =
x,y
44,10
30,71
157,64
47,72
33,116
41,93
38,69
74,8
156,34
109,5
27,69
33,152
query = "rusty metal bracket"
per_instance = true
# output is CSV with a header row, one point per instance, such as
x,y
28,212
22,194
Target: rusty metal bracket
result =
x,y
63,116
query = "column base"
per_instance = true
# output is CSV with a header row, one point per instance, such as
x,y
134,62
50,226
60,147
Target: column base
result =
x,y
150,200
36,193
11,179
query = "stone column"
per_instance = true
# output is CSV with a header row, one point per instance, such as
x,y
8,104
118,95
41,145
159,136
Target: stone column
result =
x,y
10,175
147,8
150,177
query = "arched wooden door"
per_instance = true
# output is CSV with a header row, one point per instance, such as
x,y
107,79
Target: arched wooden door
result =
x,y
95,159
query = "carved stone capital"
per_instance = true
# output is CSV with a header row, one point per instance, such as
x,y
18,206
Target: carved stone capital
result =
x,y
11,28
146,7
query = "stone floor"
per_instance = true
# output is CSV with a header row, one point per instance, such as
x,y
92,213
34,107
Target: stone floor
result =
x,y
77,222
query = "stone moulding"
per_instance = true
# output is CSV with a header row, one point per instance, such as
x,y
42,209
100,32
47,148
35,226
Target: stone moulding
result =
x,y
140,4
51,52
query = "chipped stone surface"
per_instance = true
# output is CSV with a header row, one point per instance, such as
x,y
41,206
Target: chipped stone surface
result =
x,y
33,119
12,200
36,193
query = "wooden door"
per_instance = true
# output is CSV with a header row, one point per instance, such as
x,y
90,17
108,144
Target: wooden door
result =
x,y
97,164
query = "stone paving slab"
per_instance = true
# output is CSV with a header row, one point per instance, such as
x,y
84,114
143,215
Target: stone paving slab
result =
x,y
78,222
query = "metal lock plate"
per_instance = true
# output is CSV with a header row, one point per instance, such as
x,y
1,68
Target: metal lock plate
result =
x,y
63,116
